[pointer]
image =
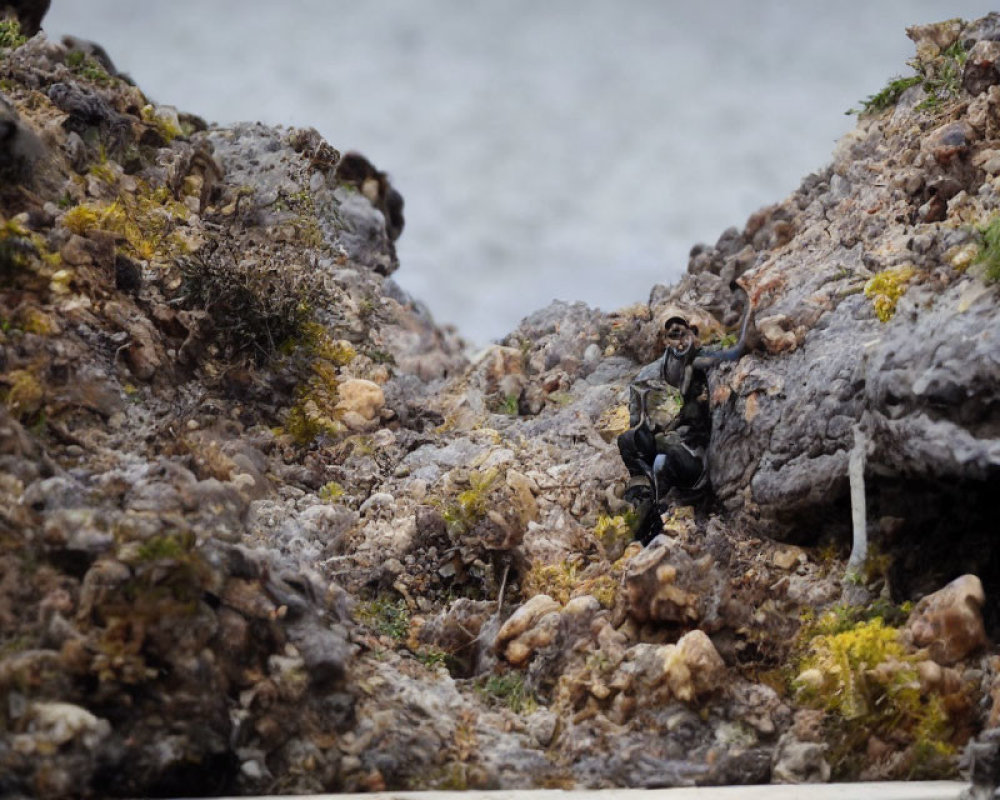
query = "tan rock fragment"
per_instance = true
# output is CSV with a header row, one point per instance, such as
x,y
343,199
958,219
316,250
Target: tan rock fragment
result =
x,y
359,403
788,558
664,584
687,670
522,633
702,660
949,622
776,334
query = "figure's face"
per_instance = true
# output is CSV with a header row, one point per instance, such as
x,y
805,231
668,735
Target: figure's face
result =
x,y
680,338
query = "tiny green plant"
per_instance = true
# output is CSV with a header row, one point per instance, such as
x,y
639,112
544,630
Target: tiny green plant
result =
x,y
943,77
471,505
168,546
10,34
431,657
940,78
385,617
510,690
87,67
989,253
887,98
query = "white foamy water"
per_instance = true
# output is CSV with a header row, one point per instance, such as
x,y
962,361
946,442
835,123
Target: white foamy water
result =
x,y
568,149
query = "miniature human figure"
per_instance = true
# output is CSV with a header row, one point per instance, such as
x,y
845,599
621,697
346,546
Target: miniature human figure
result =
x,y
670,421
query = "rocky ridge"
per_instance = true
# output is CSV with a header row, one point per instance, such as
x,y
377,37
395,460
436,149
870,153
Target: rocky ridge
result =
x,y
264,527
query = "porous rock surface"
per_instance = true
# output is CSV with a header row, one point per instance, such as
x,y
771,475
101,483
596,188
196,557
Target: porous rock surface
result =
x,y
265,527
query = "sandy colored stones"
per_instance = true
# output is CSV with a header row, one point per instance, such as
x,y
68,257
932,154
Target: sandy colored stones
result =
x,y
683,671
530,628
949,622
359,403
693,666
56,724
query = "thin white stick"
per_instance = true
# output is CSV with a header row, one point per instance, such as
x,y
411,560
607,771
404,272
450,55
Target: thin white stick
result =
x,y
503,585
856,476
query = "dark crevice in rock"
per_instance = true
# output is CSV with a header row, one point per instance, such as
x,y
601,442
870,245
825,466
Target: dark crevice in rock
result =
x,y
935,529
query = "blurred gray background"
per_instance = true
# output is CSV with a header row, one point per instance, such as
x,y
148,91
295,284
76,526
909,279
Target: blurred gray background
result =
x,y
569,149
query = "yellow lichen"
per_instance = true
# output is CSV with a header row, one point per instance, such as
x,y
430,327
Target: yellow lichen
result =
x,y
316,411
961,256
318,357
616,531
81,219
336,351
886,288
61,281
34,320
310,418
164,119
26,394
331,492
103,171
844,660
613,422
604,589
555,580
146,220
566,580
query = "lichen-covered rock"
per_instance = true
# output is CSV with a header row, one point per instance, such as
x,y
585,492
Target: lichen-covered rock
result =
x,y
796,761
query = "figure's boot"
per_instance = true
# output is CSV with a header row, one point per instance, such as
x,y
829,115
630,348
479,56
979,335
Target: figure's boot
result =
x,y
648,524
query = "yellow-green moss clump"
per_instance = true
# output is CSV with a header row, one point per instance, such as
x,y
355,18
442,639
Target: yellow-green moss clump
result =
x,y
614,533
886,288
315,413
567,580
164,120
146,221
989,253
870,688
470,506
511,690
10,34
331,492
25,394
135,624
87,67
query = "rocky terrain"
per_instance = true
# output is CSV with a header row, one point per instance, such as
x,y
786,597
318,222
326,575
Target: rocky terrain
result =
x,y
264,527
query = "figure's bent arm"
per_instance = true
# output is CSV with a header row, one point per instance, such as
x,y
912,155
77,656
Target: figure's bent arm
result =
x,y
637,391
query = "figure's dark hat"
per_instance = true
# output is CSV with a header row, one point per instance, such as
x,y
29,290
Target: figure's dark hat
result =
x,y
672,320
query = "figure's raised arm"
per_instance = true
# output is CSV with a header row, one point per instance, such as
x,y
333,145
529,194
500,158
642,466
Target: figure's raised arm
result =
x,y
748,333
